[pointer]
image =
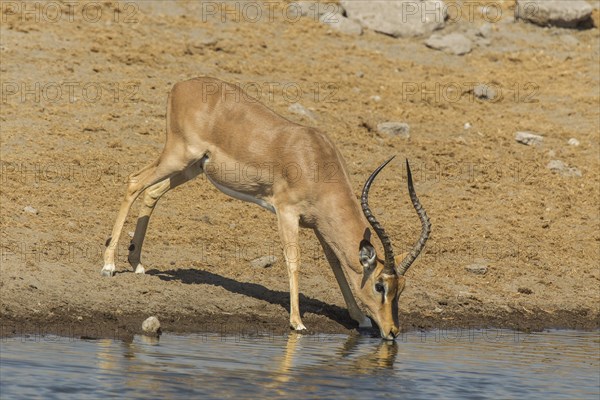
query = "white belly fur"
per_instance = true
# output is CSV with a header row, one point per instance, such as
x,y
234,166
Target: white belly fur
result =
x,y
239,195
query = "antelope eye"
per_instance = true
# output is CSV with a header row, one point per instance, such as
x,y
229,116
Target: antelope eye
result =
x,y
379,287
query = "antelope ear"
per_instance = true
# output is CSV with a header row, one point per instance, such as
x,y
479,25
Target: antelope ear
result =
x,y
367,255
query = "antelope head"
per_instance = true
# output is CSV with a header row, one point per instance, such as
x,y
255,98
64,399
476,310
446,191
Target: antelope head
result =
x,y
383,279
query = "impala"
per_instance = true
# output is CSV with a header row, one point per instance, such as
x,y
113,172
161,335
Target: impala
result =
x,y
213,126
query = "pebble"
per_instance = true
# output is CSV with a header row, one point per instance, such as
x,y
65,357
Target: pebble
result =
x,y
375,98
528,138
151,326
342,24
563,169
263,262
30,209
484,92
299,109
485,30
573,142
467,126
569,40
477,268
401,129
454,43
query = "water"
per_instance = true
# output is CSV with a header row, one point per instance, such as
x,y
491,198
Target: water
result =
x,y
421,365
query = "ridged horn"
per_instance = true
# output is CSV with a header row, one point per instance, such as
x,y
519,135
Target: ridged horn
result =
x,y
425,226
389,266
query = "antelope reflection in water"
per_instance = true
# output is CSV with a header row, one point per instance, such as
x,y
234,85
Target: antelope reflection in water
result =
x,y
147,362
369,360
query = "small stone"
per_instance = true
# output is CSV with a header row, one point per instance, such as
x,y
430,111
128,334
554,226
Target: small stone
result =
x,y
130,234
375,98
484,92
342,24
477,268
360,74
263,262
563,169
569,40
299,109
485,30
573,142
401,129
79,318
438,310
151,326
454,43
528,138
467,126
30,210
556,165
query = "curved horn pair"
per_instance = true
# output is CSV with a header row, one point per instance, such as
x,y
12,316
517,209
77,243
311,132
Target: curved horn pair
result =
x,y
389,264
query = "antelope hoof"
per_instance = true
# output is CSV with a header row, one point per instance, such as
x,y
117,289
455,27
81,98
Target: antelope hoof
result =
x,y
298,327
140,269
108,270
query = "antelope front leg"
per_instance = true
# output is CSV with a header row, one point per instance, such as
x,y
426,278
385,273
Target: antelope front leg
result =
x,y
288,230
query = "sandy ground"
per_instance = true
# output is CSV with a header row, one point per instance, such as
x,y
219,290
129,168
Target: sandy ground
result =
x,y
83,106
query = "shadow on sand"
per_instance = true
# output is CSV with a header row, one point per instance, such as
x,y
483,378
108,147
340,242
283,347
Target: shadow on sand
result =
x,y
307,304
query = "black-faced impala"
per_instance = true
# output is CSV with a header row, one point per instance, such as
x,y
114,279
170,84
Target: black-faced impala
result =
x,y
214,127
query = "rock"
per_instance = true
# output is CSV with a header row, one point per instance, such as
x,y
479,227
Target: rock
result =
x,y
454,43
399,18
263,262
560,13
375,98
401,129
342,24
31,210
563,169
151,326
299,109
573,142
569,40
313,9
478,268
529,138
485,30
467,126
484,92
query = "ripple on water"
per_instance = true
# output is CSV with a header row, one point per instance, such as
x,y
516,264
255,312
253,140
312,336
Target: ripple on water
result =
x,y
449,364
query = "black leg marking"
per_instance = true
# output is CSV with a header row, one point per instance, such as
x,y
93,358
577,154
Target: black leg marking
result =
x,y
108,241
131,246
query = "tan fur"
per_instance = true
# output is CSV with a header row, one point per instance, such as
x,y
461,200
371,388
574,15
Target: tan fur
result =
x,y
213,127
